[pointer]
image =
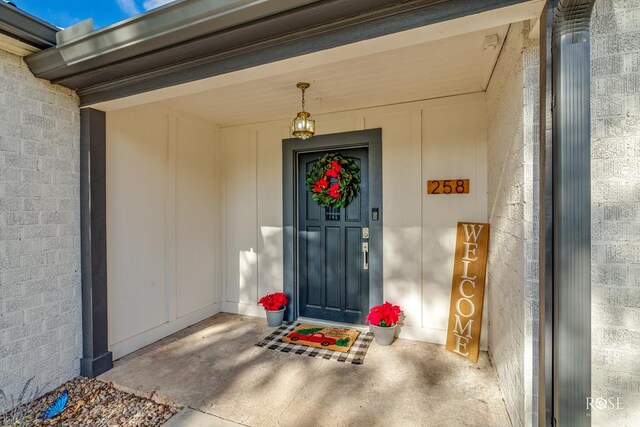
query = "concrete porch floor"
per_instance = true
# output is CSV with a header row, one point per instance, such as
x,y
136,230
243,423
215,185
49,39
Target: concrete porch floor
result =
x,y
214,367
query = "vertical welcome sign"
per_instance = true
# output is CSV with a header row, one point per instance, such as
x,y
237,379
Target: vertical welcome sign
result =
x,y
467,293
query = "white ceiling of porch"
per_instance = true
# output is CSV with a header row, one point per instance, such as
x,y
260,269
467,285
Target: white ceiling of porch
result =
x,y
450,66
442,59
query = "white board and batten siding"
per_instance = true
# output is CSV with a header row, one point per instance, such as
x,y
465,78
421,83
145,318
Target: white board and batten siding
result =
x,y
163,222
436,139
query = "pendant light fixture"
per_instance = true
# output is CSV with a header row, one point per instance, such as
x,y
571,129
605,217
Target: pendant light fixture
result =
x,y
303,126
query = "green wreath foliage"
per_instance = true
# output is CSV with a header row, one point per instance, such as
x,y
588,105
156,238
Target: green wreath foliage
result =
x,y
334,180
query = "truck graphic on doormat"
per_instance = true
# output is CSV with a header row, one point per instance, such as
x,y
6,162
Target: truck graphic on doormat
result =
x,y
324,336
314,337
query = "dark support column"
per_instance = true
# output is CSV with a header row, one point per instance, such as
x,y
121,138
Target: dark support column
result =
x,y
572,211
545,365
93,223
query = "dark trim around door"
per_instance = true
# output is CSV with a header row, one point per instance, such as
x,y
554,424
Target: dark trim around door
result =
x,y
291,147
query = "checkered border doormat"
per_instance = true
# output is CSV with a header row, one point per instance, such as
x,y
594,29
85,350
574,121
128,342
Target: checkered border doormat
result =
x,y
355,354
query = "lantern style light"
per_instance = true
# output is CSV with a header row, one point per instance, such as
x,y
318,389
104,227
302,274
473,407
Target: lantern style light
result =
x,y
303,126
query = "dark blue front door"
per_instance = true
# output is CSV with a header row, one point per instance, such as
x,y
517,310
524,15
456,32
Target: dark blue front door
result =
x,y
332,265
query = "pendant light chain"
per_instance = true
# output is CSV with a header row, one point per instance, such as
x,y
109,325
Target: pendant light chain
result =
x,y
303,125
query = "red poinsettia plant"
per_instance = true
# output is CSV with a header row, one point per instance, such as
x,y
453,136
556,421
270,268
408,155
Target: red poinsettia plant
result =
x,y
384,315
274,302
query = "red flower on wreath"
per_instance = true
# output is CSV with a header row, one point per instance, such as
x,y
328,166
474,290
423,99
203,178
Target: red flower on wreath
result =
x,y
331,173
320,185
335,166
334,191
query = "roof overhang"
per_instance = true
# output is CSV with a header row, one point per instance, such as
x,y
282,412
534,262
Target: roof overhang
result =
x,y
21,33
151,32
196,39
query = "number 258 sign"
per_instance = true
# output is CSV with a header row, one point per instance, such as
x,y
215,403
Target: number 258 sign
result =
x,y
448,186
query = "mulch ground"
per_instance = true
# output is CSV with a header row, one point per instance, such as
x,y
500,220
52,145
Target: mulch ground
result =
x,y
96,403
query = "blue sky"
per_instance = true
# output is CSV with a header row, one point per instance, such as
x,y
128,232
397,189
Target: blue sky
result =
x,y
64,13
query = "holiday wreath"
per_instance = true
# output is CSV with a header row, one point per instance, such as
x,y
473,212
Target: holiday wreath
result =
x,y
334,180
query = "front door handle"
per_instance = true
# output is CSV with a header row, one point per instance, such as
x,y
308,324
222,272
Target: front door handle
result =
x,y
365,253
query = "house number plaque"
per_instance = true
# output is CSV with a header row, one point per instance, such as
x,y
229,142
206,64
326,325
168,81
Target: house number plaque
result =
x,y
448,186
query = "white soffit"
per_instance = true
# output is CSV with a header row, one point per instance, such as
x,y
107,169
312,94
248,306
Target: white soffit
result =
x,y
16,46
437,60
452,66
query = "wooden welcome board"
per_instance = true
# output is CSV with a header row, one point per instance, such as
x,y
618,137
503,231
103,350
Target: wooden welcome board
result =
x,y
467,289
448,186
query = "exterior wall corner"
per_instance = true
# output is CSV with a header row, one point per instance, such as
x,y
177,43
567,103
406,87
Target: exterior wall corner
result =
x,y
40,297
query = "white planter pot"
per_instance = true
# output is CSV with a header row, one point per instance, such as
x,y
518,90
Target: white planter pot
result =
x,y
384,336
274,318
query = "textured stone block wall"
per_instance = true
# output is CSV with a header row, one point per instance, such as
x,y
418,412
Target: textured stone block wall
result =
x,y
40,312
615,211
513,156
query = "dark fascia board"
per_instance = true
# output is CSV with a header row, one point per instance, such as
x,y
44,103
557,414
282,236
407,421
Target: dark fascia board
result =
x,y
309,27
172,24
27,28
